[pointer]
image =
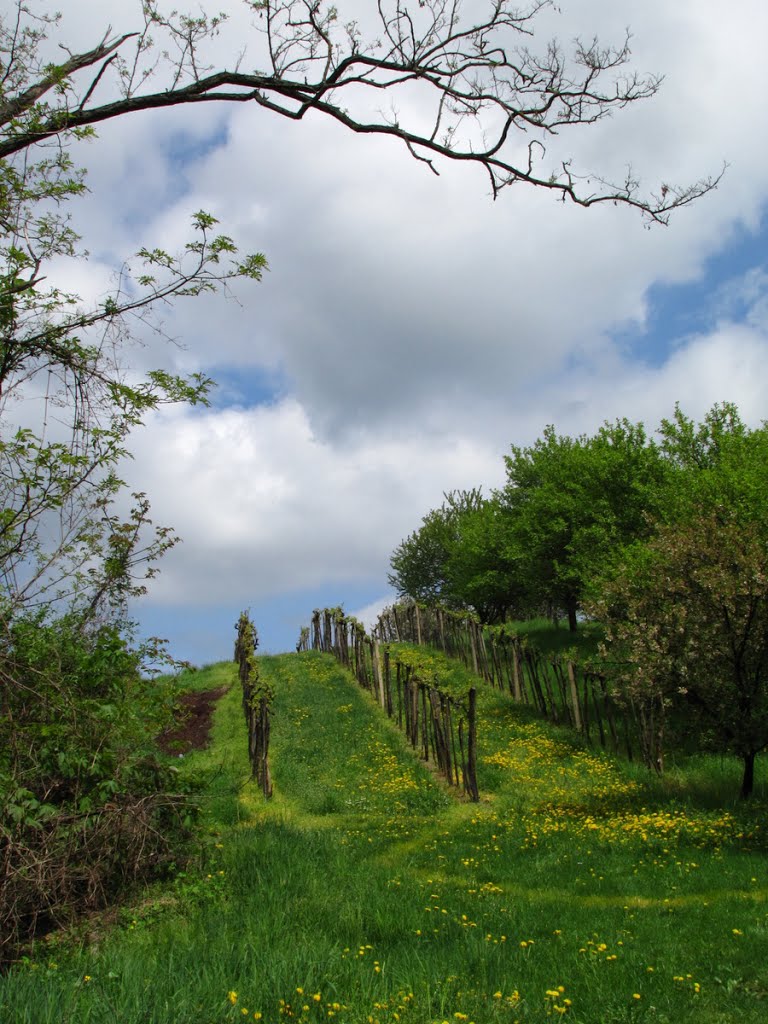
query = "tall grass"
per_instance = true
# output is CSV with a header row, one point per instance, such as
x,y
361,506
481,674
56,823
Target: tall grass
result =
x,y
365,893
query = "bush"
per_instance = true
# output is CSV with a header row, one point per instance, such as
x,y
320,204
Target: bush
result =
x,y
86,801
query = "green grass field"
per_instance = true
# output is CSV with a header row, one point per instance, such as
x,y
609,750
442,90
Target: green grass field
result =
x,y
366,892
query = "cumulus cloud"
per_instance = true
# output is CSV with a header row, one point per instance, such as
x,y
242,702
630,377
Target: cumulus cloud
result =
x,y
410,328
265,506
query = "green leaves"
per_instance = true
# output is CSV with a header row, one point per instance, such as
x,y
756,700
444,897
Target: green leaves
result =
x,y
573,502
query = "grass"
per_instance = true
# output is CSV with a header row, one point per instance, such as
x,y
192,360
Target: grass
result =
x,y
551,639
366,893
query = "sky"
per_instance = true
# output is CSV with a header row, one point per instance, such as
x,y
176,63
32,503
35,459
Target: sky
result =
x,y
410,328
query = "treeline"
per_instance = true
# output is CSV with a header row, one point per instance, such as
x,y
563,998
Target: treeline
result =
x,y
661,538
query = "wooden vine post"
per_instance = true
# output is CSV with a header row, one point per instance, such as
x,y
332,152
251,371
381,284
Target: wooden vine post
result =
x,y
257,699
470,774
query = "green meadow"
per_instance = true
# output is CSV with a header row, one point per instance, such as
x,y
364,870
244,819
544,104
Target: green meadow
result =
x,y
368,892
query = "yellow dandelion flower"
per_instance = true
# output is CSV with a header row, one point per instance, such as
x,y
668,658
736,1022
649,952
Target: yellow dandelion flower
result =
x,y
232,997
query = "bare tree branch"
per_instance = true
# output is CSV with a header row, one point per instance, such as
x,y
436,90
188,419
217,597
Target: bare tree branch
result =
x,y
487,92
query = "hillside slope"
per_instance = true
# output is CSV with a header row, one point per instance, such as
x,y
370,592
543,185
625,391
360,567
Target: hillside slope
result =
x,y
367,893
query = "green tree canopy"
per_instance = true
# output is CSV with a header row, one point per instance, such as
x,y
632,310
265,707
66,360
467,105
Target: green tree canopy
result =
x,y
573,502
420,563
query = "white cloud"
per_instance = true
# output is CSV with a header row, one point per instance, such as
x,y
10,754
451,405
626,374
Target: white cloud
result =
x,y
416,327
369,615
265,506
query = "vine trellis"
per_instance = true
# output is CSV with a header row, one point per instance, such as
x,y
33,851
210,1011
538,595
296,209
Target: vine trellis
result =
x,y
440,725
257,701
562,690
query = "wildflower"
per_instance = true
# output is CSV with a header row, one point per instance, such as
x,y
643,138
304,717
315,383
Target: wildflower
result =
x,y
317,997
232,997
636,995
86,978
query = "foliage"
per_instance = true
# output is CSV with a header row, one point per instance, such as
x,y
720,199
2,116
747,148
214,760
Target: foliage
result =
x,y
486,567
420,563
572,502
60,448
569,505
686,614
86,807
86,804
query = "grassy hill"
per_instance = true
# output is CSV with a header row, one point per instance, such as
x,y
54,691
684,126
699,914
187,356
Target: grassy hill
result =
x,y
366,892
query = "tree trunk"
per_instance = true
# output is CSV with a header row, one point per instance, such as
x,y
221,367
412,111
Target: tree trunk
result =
x,y
572,622
748,780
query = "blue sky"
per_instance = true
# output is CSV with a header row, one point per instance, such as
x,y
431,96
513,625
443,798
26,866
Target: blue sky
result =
x,y
410,328
676,311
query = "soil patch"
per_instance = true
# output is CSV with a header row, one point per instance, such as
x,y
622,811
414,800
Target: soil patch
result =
x,y
193,725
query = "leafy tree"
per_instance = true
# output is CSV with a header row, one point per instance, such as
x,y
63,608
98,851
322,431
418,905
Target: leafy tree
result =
x,y
691,446
462,557
685,612
573,502
485,570
420,563
718,463
686,621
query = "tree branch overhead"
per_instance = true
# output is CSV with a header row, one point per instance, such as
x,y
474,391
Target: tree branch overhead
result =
x,y
488,89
